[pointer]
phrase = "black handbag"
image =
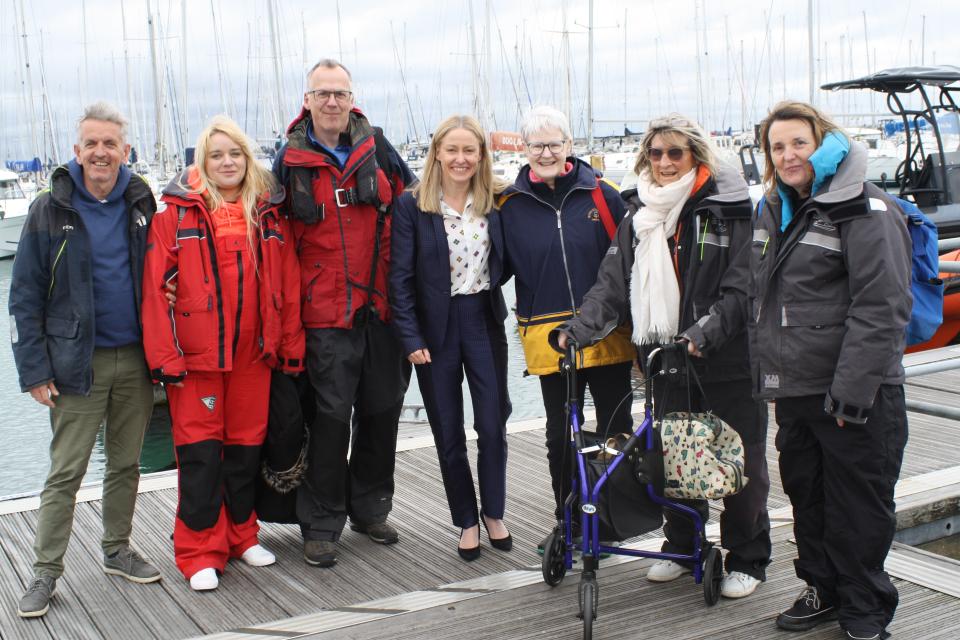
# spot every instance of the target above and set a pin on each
(624, 507)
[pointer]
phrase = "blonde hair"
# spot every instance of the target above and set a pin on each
(483, 186)
(819, 122)
(257, 183)
(677, 125)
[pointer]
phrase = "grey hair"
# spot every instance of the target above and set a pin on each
(329, 63)
(543, 117)
(675, 124)
(104, 112)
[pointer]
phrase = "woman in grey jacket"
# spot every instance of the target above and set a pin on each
(830, 298)
(679, 269)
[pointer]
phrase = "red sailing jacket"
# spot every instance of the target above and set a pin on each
(196, 334)
(336, 228)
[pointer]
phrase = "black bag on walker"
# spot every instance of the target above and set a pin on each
(624, 506)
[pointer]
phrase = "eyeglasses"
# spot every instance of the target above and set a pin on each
(674, 153)
(341, 95)
(537, 148)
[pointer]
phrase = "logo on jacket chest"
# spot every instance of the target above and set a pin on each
(823, 225)
(593, 215)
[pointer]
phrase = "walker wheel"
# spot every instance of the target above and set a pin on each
(553, 565)
(712, 576)
(589, 593)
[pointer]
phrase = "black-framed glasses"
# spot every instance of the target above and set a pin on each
(537, 148)
(340, 95)
(674, 153)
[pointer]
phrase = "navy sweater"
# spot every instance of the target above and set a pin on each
(114, 300)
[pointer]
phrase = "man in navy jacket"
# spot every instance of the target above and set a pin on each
(76, 332)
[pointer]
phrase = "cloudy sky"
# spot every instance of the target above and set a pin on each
(415, 65)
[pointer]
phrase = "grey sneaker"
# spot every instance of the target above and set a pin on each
(130, 565)
(379, 532)
(320, 553)
(36, 600)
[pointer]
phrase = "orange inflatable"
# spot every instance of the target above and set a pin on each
(949, 331)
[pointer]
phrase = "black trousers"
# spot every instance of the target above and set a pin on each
(612, 397)
(840, 481)
(475, 343)
(360, 373)
(744, 523)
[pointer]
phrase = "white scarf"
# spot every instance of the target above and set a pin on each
(654, 290)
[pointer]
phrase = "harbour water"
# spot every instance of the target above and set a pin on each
(25, 425)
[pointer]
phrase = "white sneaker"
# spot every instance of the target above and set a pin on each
(204, 580)
(666, 570)
(738, 585)
(257, 556)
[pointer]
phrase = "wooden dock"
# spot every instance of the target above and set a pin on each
(420, 588)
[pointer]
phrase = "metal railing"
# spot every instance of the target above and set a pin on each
(949, 266)
(932, 361)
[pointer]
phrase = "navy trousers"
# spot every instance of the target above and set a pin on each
(475, 344)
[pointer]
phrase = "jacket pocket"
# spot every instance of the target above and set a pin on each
(68, 354)
(195, 327)
(323, 295)
(812, 334)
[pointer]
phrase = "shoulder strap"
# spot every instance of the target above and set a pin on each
(605, 216)
(504, 197)
(760, 205)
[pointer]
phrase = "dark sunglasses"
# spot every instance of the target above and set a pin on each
(674, 153)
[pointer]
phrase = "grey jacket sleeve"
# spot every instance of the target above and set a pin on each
(876, 252)
(606, 305)
(727, 316)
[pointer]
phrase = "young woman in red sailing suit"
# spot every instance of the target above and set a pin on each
(224, 245)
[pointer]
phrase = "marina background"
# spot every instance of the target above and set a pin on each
(722, 62)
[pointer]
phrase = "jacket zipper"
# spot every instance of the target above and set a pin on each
(53, 270)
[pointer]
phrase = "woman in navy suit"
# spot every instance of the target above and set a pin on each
(445, 268)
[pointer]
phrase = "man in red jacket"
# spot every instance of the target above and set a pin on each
(341, 177)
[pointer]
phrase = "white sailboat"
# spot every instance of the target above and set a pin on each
(14, 203)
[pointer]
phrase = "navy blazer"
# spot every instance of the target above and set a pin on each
(420, 275)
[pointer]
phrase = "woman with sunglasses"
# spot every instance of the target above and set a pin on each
(681, 271)
(558, 218)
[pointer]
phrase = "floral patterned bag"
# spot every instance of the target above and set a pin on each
(702, 456)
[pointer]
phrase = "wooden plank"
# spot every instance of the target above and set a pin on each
(66, 618)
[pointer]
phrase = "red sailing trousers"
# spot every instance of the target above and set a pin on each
(219, 423)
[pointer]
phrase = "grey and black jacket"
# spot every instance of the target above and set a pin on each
(830, 295)
(712, 259)
(51, 291)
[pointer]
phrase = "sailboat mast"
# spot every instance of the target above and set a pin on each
(696, 30)
(474, 59)
(131, 106)
(31, 117)
(160, 155)
(810, 49)
(274, 43)
(590, 79)
(488, 119)
(185, 117)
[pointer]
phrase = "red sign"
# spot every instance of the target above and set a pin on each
(505, 141)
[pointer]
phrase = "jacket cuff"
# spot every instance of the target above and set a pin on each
(554, 336)
(844, 411)
(695, 334)
(159, 375)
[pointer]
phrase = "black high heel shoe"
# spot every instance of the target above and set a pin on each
(502, 544)
(471, 553)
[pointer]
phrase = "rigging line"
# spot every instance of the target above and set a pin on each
(671, 95)
(763, 48)
(506, 63)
